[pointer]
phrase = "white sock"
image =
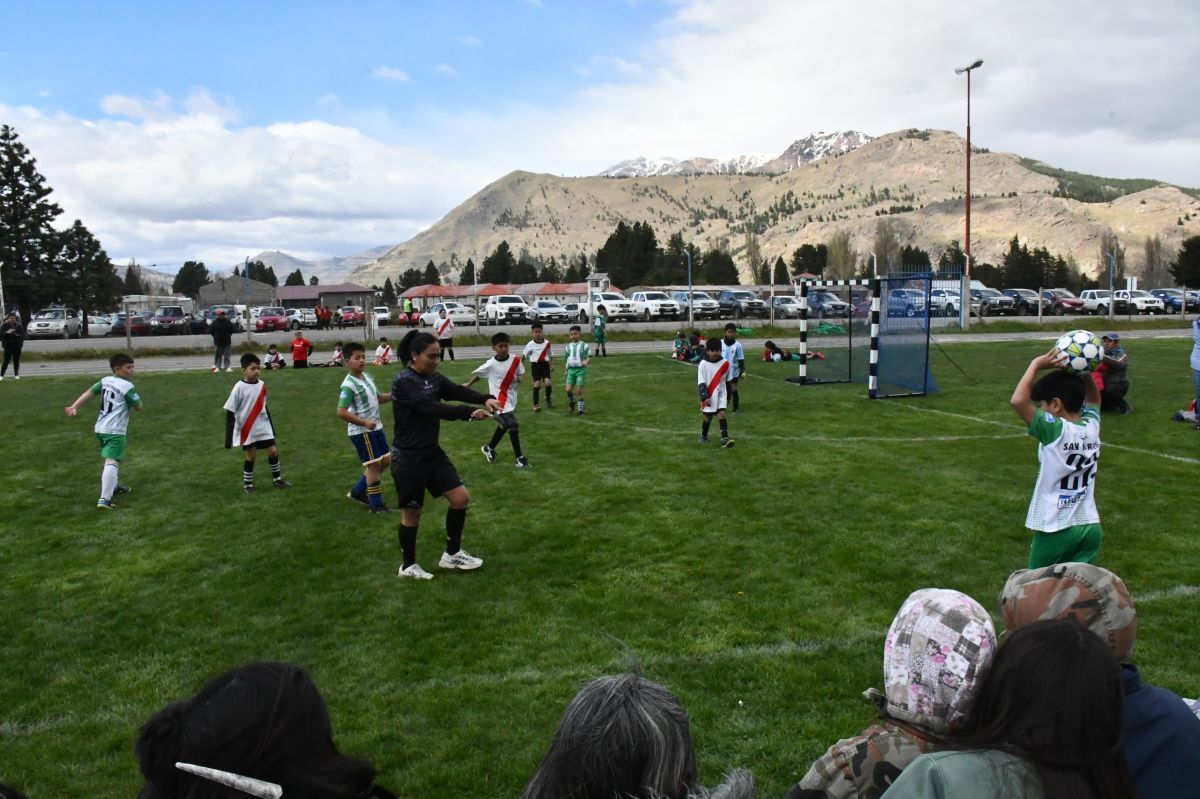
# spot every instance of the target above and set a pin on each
(108, 479)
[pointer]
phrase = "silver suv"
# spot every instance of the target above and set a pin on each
(54, 323)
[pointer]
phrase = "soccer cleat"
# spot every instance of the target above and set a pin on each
(383, 509)
(818, 356)
(215, 369)
(549, 404)
(121, 490)
(414, 572)
(248, 489)
(523, 463)
(16, 377)
(358, 497)
(726, 443)
(537, 408)
(581, 411)
(703, 439)
(279, 482)
(105, 504)
(488, 453)
(460, 560)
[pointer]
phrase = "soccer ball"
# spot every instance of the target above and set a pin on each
(1079, 351)
(776, 357)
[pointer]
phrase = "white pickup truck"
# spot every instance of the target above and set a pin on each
(1141, 301)
(654, 305)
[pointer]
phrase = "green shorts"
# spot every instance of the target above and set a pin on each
(112, 445)
(577, 376)
(1077, 544)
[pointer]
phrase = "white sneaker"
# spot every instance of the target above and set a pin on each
(488, 453)
(461, 560)
(414, 572)
(215, 369)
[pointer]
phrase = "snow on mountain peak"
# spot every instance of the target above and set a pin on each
(813, 147)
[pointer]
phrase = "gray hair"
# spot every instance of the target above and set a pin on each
(621, 736)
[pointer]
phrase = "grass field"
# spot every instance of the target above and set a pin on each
(755, 582)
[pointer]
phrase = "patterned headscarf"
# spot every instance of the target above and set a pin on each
(1094, 597)
(937, 651)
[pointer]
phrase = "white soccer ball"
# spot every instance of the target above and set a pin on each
(1079, 351)
(776, 357)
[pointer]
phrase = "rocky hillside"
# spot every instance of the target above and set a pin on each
(912, 178)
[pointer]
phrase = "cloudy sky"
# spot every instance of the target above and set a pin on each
(216, 130)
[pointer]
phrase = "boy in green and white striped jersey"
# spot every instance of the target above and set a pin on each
(578, 355)
(117, 397)
(358, 406)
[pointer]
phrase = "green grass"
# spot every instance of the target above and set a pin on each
(1095, 189)
(765, 574)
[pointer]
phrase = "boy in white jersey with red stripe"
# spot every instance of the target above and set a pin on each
(503, 371)
(1062, 513)
(117, 397)
(712, 375)
(443, 331)
(248, 423)
(358, 406)
(541, 363)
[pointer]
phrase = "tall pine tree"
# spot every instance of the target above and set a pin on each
(191, 276)
(28, 242)
(499, 266)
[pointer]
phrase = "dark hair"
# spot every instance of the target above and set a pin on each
(414, 341)
(262, 720)
(352, 347)
(500, 338)
(120, 359)
(731, 326)
(601, 308)
(1063, 385)
(713, 345)
(249, 358)
(1054, 697)
(620, 736)
(536, 326)
(383, 338)
(770, 346)
(574, 328)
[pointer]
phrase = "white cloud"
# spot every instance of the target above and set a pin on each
(470, 41)
(445, 69)
(390, 73)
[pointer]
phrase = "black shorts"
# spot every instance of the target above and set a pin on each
(416, 471)
(266, 443)
(540, 369)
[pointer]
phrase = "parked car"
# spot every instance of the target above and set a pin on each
(171, 320)
(1026, 301)
(739, 303)
(576, 311)
(785, 307)
(993, 303)
(382, 315)
(456, 311)
(53, 323)
(1173, 301)
(1060, 302)
(548, 311)
(616, 307)
(654, 305)
(945, 302)
(138, 323)
(1096, 301)
(269, 319)
(232, 312)
(1141, 301)
(703, 306)
(906, 302)
(99, 325)
(351, 314)
(301, 317)
(505, 308)
(825, 303)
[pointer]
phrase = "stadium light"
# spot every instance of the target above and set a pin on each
(966, 291)
(691, 301)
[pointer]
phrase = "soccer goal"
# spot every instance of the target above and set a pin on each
(882, 339)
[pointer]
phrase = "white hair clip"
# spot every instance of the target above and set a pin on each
(247, 785)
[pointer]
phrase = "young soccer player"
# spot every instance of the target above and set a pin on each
(338, 358)
(578, 355)
(117, 397)
(711, 385)
(541, 363)
(301, 349)
(383, 353)
(420, 464)
(1062, 512)
(680, 346)
(443, 329)
(731, 351)
(599, 327)
(248, 423)
(274, 358)
(503, 371)
(358, 406)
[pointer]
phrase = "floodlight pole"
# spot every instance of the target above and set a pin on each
(963, 312)
(1112, 268)
(691, 301)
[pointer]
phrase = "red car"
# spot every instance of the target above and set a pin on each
(351, 314)
(139, 323)
(271, 319)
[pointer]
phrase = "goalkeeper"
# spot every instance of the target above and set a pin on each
(711, 385)
(1066, 422)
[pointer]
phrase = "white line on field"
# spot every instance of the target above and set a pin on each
(1104, 444)
(1169, 593)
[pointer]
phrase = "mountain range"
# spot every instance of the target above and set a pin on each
(802, 151)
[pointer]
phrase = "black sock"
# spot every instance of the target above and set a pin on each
(456, 520)
(571, 399)
(273, 462)
(547, 394)
(451, 351)
(537, 395)
(248, 473)
(724, 423)
(516, 442)
(496, 436)
(704, 426)
(408, 544)
(736, 399)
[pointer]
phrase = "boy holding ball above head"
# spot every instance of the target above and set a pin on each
(578, 355)
(419, 464)
(503, 372)
(541, 363)
(117, 396)
(711, 377)
(1066, 423)
(248, 423)
(358, 406)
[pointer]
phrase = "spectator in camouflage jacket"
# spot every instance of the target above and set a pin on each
(937, 651)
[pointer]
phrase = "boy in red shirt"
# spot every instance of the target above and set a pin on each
(301, 349)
